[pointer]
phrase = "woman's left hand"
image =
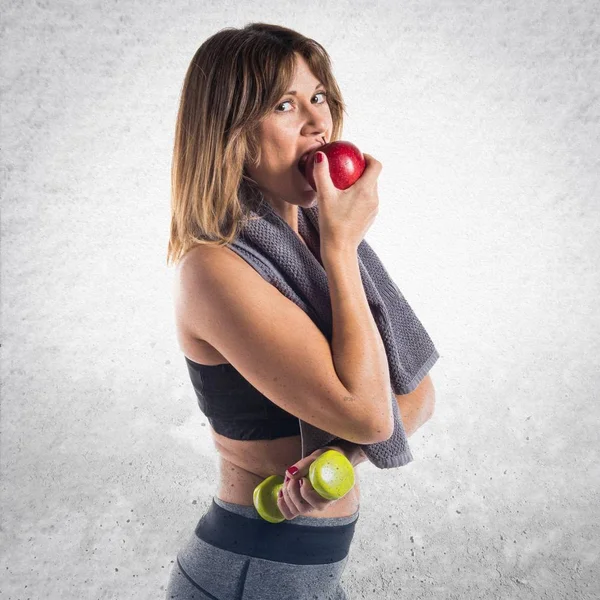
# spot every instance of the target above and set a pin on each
(302, 499)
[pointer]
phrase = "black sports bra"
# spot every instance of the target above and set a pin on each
(235, 408)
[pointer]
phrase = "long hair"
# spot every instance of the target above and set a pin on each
(231, 85)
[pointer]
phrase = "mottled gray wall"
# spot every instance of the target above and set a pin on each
(485, 116)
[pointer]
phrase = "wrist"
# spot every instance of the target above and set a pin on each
(353, 452)
(331, 256)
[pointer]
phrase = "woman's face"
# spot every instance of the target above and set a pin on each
(298, 123)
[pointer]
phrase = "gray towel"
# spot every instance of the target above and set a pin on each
(273, 249)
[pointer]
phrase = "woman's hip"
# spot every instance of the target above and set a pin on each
(236, 555)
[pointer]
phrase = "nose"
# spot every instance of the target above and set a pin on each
(315, 121)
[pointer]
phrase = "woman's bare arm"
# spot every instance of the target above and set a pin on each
(416, 408)
(413, 412)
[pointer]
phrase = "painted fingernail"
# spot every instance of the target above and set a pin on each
(286, 479)
(293, 470)
(281, 493)
(319, 157)
(301, 482)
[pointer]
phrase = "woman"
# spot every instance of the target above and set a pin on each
(254, 101)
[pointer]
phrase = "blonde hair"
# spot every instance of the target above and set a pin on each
(231, 85)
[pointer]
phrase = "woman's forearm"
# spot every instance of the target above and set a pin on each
(413, 413)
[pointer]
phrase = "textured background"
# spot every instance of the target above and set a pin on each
(486, 118)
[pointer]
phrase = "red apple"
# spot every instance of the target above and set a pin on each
(346, 164)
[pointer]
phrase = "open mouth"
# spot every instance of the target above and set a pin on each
(303, 160)
(302, 163)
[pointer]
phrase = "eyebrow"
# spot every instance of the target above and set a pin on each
(293, 92)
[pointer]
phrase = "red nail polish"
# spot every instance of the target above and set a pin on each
(293, 470)
(301, 482)
(319, 157)
(286, 479)
(281, 493)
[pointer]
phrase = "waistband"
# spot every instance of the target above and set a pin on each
(300, 544)
(250, 511)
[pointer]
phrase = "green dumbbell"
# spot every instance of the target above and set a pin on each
(331, 475)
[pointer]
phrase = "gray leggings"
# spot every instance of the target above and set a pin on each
(234, 554)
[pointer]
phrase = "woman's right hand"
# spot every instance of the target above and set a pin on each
(346, 215)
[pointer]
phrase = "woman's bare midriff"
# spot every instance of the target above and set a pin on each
(245, 463)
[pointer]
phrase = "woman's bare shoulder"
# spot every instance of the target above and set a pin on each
(202, 253)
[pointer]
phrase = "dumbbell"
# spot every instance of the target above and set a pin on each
(331, 475)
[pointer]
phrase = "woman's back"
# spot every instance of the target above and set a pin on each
(244, 463)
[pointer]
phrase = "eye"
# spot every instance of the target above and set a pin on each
(324, 94)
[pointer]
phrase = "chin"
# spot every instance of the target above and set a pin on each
(309, 198)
